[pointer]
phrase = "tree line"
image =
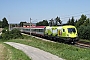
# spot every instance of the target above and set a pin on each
(52, 22)
(4, 23)
(82, 24)
(83, 20)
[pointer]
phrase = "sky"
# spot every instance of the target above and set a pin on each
(17, 11)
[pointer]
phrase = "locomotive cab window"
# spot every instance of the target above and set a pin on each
(70, 30)
(63, 30)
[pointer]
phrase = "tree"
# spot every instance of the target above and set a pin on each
(81, 21)
(4, 23)
(87, 22)
(51, 22)
(42, 23)
(57, 19)
(13, 34)
(71, 21)
(84, 32)
(21, 24)
(75, 22)
(45, 23)
(0, 24)
(68, 22)
(12, 25)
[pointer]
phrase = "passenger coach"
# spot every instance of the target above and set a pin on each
(36, 30)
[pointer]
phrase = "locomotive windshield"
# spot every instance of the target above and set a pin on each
(70, 30)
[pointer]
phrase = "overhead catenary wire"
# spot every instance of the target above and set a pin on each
(71, 15)
(68, 17)
(74, 14)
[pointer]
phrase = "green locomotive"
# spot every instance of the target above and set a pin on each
(67, 33)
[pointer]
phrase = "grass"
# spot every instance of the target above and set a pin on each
(15, 54)
(3, 52)
(64, 51)
(84, 40)
(8, 52)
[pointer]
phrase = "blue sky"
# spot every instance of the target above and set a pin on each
(21, 10)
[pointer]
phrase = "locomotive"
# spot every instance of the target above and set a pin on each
(66, 33)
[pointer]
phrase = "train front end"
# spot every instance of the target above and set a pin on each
(69, 34)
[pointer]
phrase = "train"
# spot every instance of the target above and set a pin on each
(65, 33)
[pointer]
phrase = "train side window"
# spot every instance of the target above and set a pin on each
(42, 30)
(39, 30)
(28, 29)
(34, 30)
(63, 30)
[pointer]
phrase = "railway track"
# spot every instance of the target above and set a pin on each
(82, 45)
(78, 44)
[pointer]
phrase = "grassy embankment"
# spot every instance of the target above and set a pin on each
(64, 51)
(3, 52)
(86, 41)
(9, 53)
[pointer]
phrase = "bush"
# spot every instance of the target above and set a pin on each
(6, 35)
(84, 32)
(13, 34)
(4, 30)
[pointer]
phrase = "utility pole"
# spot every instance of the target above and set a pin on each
(9, 26)
(30, 26)
(9, 23)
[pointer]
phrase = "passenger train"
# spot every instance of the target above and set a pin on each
(66, 33)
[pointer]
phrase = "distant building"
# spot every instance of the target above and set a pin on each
(1, 30)
(28, 24)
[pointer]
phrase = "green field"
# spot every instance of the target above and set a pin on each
(65, 51)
